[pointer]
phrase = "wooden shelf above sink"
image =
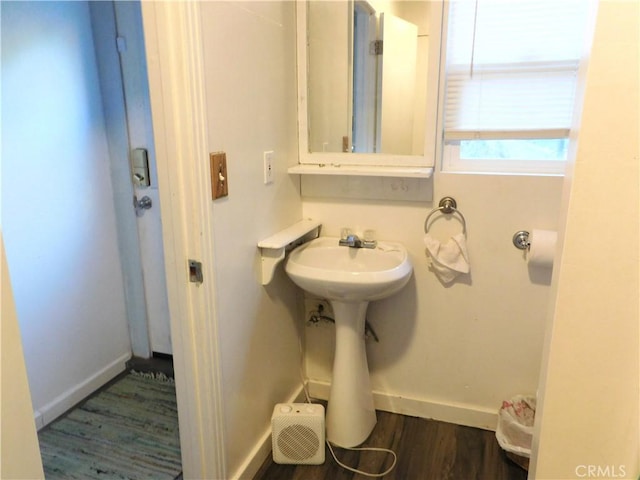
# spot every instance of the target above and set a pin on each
(361, 170)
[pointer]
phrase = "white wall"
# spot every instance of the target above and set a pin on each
(329, 93)
(452, 352)
(57, 203)
(418, 13)
(588, 423)
(251, 106)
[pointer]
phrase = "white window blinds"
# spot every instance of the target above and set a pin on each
(511, 68)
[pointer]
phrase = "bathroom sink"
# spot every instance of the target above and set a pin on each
(334, 272)
(349, 278)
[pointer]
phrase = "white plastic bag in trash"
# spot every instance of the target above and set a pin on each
(515, 425)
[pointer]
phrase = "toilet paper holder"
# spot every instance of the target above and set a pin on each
(521, 240)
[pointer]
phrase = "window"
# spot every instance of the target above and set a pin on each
(510, 80)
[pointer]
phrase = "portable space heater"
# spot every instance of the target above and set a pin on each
(297, 433)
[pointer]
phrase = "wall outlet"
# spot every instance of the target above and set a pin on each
(268, 166)
(318, 312)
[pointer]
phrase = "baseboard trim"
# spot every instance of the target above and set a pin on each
(262, 448)
(59, 405)
(460, 414)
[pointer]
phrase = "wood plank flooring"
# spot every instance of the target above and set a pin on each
(426, 450)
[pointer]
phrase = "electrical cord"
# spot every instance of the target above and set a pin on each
(333, 454)
(367, 449)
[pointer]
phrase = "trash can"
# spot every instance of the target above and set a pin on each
(515, 428)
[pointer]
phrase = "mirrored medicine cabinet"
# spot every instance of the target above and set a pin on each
(368, 76)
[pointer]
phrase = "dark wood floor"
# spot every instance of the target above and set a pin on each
(426, 449)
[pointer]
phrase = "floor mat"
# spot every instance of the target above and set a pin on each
(128, 431)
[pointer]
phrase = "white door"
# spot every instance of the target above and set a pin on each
(397, 85)
(364, 78)
(136, 91)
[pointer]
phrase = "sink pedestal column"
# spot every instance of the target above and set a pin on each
(351, 415)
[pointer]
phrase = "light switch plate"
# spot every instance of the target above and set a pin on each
(219, 179)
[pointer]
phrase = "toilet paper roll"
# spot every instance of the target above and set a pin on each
(542, 248)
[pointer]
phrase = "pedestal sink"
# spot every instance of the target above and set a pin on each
(349, 278)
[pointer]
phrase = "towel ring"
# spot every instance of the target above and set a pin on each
(447, 205)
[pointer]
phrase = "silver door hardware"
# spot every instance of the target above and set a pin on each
(121, 44)
(143, 204)
(140, 167)
(195, 271)
(376, 47)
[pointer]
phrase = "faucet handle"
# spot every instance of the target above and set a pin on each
(369, 239)
(345, 232)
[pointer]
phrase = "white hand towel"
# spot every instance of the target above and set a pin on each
(448, 260)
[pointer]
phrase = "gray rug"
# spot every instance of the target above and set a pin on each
(128, 431)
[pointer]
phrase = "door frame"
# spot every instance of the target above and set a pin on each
(176, 83)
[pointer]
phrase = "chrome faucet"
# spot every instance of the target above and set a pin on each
(350, 241)
(353, 241)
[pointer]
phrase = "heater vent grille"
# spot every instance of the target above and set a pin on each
(298, 442)
(298, 434)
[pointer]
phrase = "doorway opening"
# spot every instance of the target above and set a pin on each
(84, 267)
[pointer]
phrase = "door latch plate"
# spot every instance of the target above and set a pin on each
(195, 271)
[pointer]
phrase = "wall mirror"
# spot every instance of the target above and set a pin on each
(368, 75)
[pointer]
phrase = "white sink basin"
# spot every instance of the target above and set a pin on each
(349, 278)
(334, 272)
